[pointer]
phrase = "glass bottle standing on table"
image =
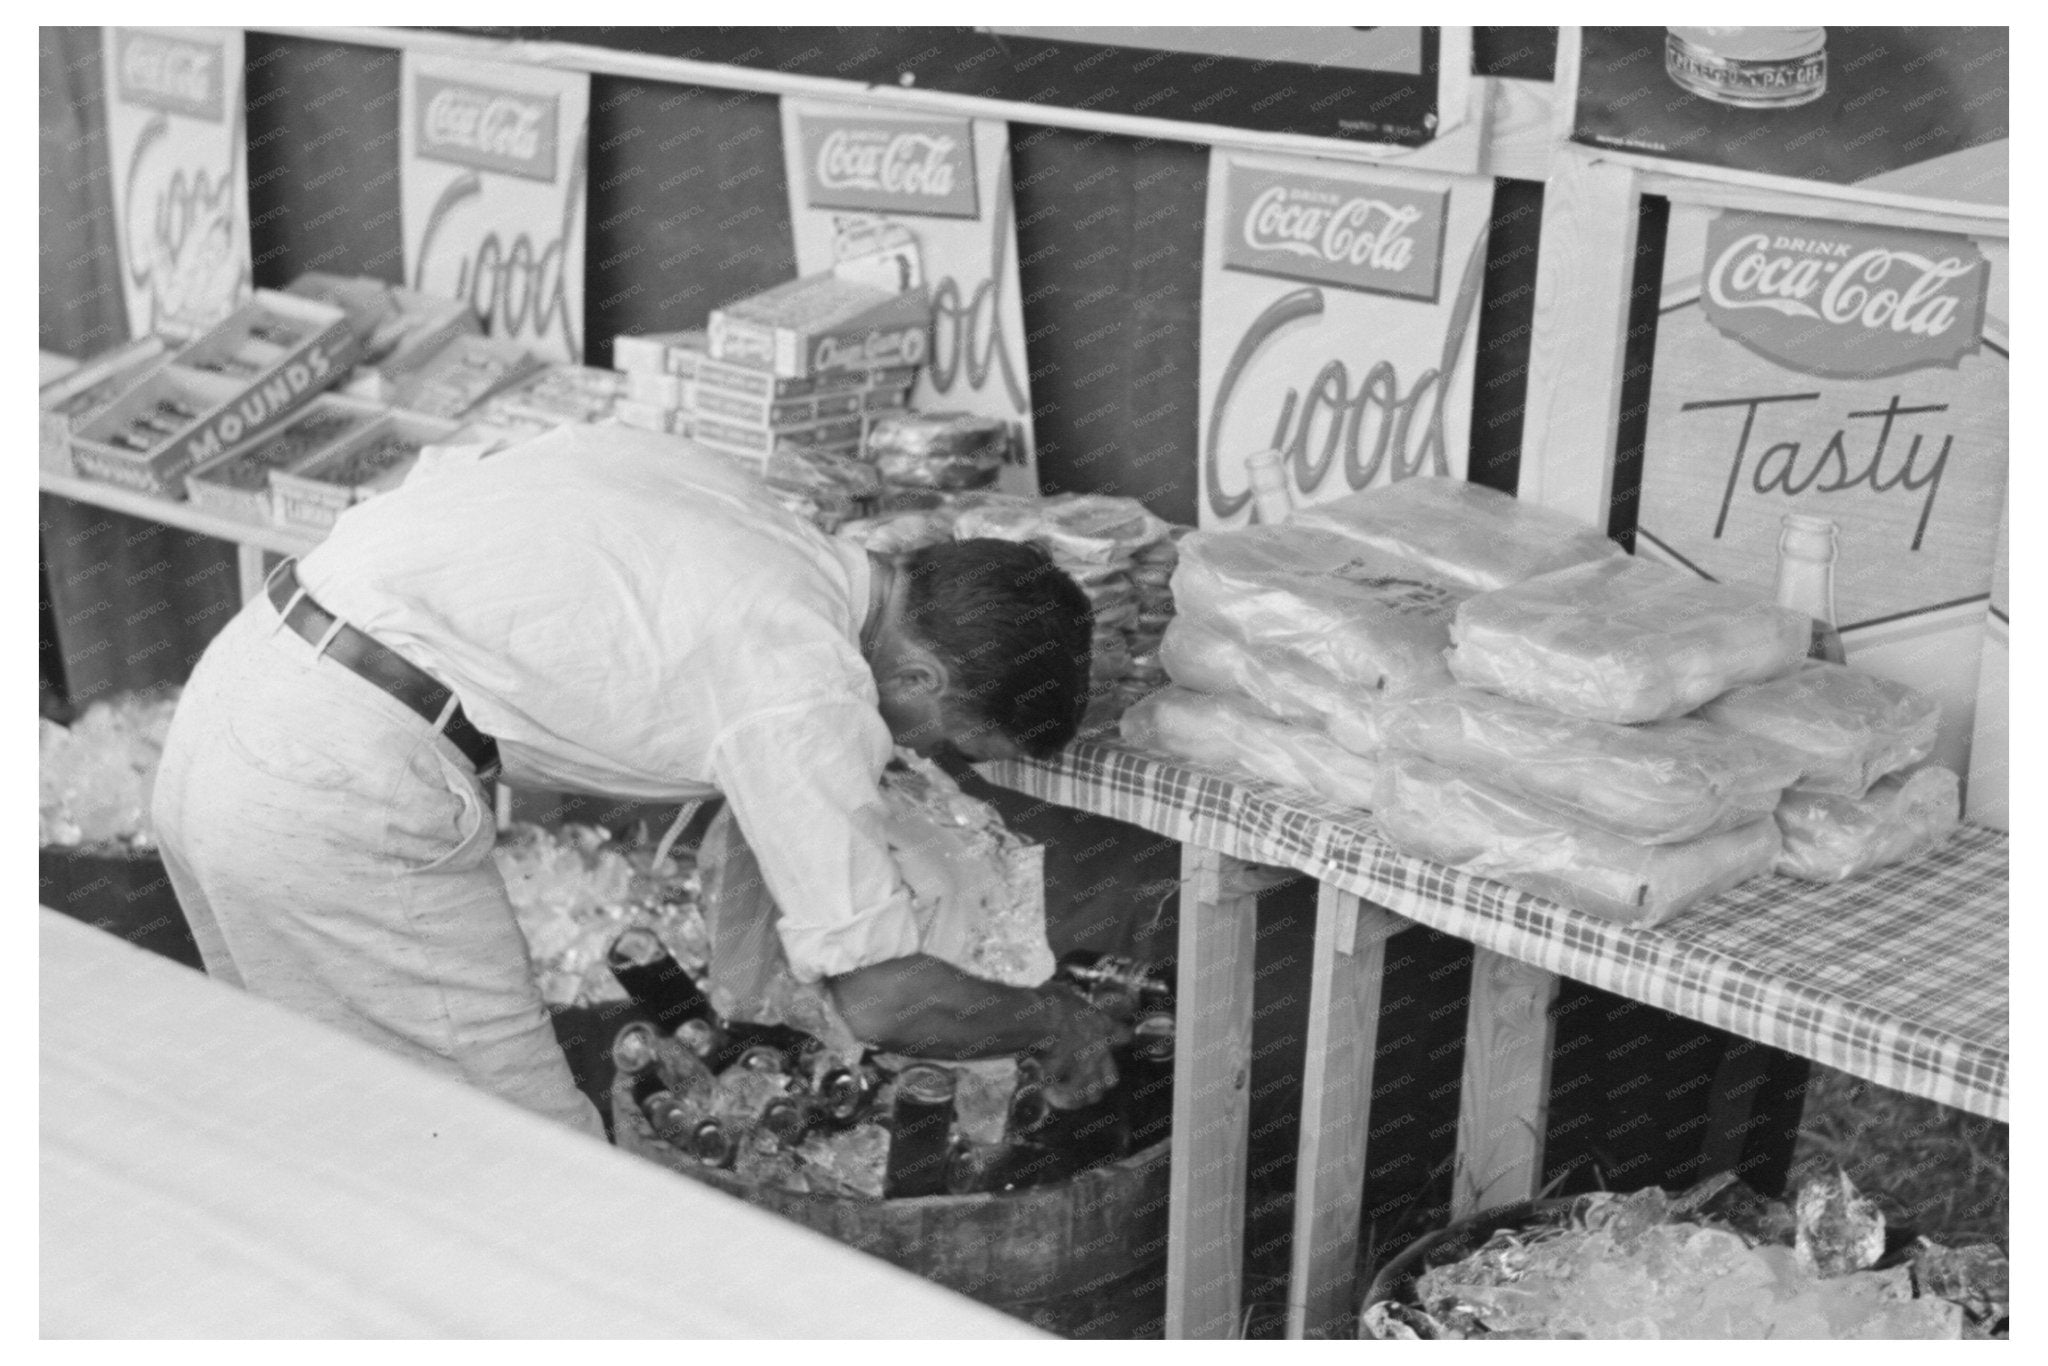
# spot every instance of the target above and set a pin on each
(1271, 501)
(1807, 547)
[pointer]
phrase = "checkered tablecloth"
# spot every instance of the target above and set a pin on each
(1898, 977)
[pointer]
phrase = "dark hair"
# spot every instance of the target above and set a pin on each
(1013, 631)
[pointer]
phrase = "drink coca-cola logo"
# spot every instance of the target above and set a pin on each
(487, 128)
(1842, 300)
(171, 72)
(920, 166)
(1354, 233)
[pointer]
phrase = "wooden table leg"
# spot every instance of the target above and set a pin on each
(1211, 1098)
(1506, 1086)
(1336, 1100)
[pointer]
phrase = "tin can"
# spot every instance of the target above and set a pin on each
(921, 1132)
(1750, 68)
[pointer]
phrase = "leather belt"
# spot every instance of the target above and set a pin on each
(384, 667)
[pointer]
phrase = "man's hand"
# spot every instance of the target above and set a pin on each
(1078, 1065)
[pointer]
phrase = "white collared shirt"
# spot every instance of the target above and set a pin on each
(629, 616)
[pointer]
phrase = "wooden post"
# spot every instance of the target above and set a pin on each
(1336, 1100)
(1211, 1098)
(1506, 1087)
(1583, 276)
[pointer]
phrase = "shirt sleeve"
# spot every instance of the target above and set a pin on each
(802, 784)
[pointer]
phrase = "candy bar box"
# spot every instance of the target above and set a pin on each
(237, 484)
(822, 324)
(462, 374)
(374, 460)
(70, 401)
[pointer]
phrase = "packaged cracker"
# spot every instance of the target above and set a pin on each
(1663, 782)
(1433, 812)
(1460, 532)
(1365, 618)
(1830, 838)
(1848, 727)
(1623, 640)
(820, 324)
(1227, 733)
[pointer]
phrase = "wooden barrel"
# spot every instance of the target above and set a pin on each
(1014, 1250)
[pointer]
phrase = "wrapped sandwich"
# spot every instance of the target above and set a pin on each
(1849, 728)
(1830, 838)
(1659, 783)
(1437, 813)
(1229, 734)
(1623, 640)
(1463, 533)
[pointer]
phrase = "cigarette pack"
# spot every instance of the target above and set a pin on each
(70, 401)
(372, 461)
(656, 387)
(647, 417)
(821, 324)
(657, 353)
(559, 395)
(150, 437)
(237, 483)
(462, 374)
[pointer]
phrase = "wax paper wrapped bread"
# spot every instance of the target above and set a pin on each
(1228, 733)
(1829, 838)
(1367, 619)
(1436, 813)
(1622, 640)
(1462, 533)
(1272, 682)
(1659, 783)
(1083, 528)
(1849, 728)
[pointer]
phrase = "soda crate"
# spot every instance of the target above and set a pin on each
(373, 461)
(150, 437)
(237, 484)
(70, 401)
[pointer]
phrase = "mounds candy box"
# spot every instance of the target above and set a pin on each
(393, 325)
(282, 348)
(71, 400)
(821, 324)
(150, 437)
(375, 460)
(242, 378)
(237, 484)
(462, 374)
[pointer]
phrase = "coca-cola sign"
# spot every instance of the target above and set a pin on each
(914, 166)
(1356, 234)
(485, 127)
(171, 72)
(1843, 300)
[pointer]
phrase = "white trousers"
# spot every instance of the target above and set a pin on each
(334, 856)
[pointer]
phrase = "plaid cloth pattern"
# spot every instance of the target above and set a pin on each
(1898, 977)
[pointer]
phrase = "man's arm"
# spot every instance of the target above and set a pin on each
(927, 1007)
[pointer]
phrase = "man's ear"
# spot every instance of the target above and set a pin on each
(916, 676)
